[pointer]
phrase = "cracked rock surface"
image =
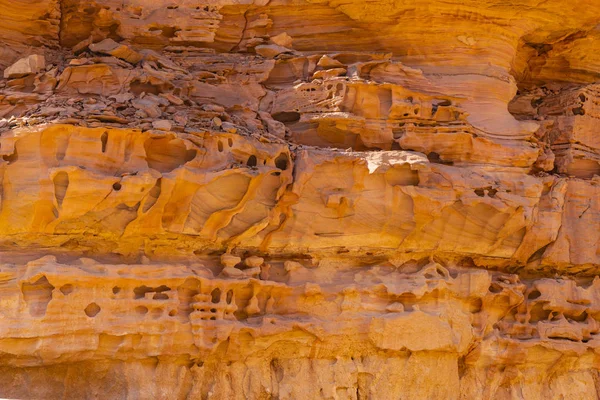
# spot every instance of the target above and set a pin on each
(299, 199)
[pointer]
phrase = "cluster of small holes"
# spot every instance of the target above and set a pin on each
(220, 146)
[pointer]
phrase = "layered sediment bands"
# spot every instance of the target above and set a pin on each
(348, 327)
(299, 199)
(174, 194)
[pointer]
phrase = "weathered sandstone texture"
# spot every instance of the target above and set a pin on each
(300, 199)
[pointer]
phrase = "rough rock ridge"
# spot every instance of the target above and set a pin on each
(300, 199)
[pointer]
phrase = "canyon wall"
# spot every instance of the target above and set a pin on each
(300, 199)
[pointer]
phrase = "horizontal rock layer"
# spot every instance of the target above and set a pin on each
(199, 333)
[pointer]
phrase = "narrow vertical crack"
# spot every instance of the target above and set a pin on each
(236, 47)
(61, 21)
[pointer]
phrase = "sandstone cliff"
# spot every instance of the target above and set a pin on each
(300, 199)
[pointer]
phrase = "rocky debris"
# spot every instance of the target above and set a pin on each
(25, 66)
(254, 261)
(234, 273)
(328, 62)
(172, 98)
(283, 40)
(162, 124)
(110, 47)
(148, 106)
(230, 261)
(272, 50)
(228, 127)
(329, 73)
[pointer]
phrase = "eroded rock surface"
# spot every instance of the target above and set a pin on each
(299, 199)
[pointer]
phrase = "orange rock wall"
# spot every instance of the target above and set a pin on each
(299, 199)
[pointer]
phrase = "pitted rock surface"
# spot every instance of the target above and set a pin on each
(300, 199)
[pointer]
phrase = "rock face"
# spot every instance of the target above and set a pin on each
(300, 199)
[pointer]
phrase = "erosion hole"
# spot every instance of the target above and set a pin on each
(538, 313)
(37, 295)
(536, 102)
(140, 291)
(153, 195)
(475, 305)
(92, 310)
(168, 31)
(165, 154)
(61, 184)
(12, 157)
(434, 157)
(104, 140)
(287, 117)
(281, 161)
(116, 290)
(538, 254)
(142, 310)
(495, 288)
(534, 294)
(190, 155)
(579, 318)
(66, 289)
(116, 186)
(252, 161)
(216, 295)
